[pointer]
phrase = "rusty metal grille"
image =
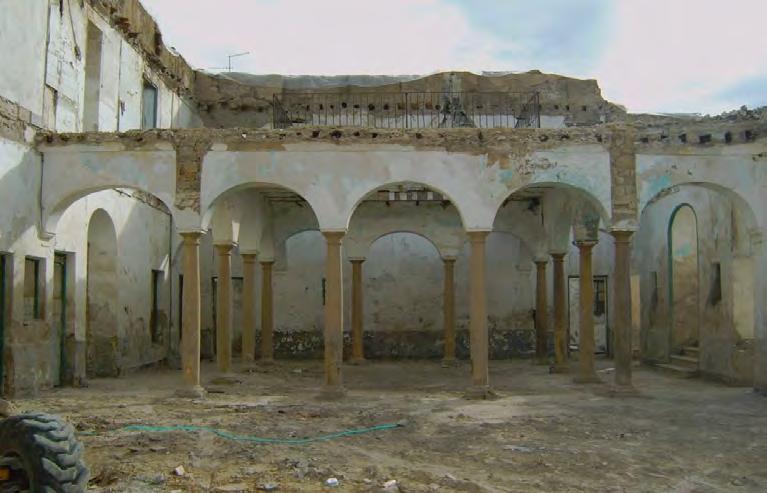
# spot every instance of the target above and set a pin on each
(408, 110)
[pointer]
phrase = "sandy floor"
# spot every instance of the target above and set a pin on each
(543, 434)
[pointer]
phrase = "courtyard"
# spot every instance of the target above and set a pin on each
(542, 433)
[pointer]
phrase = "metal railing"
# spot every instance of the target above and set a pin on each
(408, 110)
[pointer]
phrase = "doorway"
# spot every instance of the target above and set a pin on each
(103, 297)
(60, 313)
(4, 275)
(683, 271)
(236, 314)
(601, 330)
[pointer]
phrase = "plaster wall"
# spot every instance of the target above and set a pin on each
(143, 244)
(334, 180)
(726, 352)
(46, 44)
(23, 26)
(402, 275)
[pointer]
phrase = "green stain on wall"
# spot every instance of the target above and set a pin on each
(506, 175)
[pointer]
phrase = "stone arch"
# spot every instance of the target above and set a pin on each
(69, 176)
(562, 208)
(102, 295)
(251, 209)
(360, 198)
(411, 232)
(53, 212)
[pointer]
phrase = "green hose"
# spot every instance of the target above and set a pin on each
(254, 439)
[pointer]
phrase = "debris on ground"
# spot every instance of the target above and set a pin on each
(544, 434)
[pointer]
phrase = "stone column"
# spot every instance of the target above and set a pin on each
(358, 351)
(224, 308)
(541, 314)
(249, 308)
(586, 345)
(478, 314)
(334, 315)
(267, 313)
(622, 308)
(448, 310)
(560, 311)
(190, 331)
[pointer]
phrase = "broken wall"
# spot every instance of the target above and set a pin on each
(244, 100)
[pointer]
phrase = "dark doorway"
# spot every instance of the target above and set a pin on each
(602, 342)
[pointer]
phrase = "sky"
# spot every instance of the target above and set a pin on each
(690, 56)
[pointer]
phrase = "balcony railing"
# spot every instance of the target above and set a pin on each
(408, 110)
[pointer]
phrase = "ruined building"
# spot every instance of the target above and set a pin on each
(154, 214)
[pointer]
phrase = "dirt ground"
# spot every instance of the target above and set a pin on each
(544, 433)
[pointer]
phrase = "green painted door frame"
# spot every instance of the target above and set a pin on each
(60, 268)
(3, 284)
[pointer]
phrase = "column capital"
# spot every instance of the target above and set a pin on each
(585, 244)
(356, 260)
(540, 261)
(449, 259)
(558, 256)
(192, 235)
(224, 248)
(477, 236)
(249, 258)
(266, 262)
(333, 237)
(622, 235)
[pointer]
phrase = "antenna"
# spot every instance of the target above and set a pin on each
(229, 65)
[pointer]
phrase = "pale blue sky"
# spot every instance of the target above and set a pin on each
(650, 55)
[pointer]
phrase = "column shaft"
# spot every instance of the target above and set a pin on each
(248, 307)
(541, 315)
(448, 308)
(224, 308)
(586, 344)
(478, 312)
(358, 351)
(334, 309)
(560, 311)
(267, 313)
(190, 330)
(622, 307)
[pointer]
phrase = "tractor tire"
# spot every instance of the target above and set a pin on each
(42, 454)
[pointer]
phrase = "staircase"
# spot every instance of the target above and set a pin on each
(683, 365)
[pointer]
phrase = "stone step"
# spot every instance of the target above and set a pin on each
(676, 371)
(685, 361)
(693, 351)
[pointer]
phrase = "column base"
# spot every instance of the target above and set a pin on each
(622, 391)
(538, 361)
(195, 392)
(449, 363)
(358, 361)
(266, 361)
(586, 379)
(480, 394)
(331, 393)
(559, 368)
